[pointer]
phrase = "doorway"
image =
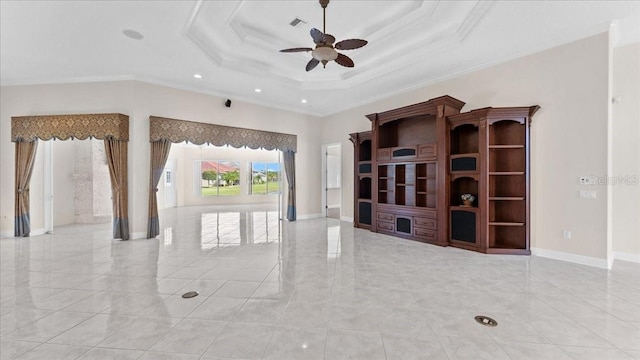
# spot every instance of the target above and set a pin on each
(77, 187)
(331, 180)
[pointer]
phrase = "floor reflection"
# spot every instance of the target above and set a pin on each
(309, 289)
(223, 226)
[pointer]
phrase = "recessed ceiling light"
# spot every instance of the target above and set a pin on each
(197, 76)
(132, 34)
(304, 101)
(258, 90)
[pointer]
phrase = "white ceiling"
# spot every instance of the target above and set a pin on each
(234, 44)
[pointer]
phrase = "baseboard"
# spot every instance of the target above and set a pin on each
(138, 235)
(37, 232)
(578, 259)
(618, 255)
(346, 218)
(308, 216)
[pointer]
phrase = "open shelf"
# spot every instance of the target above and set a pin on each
(507, 237)
(507, 132)
(364, 188)
(507, 160)
(365, 150)
(408, 131)
(507, 198)
(426, 185)
(507, 211)
(463, 185)
(464, 139)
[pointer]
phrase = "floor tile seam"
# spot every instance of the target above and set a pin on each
(264, 351)
(178, 323)
(211, 296)
(116, 333)
(598, 335)
(440, 337)
(435, 338)
(88, 348)
(32, 322)
(587, 329)
(626, 352)
(500, 345)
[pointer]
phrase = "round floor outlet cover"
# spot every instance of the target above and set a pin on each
(486, 321)
(190, 294)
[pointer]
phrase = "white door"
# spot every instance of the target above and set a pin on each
(169, 178)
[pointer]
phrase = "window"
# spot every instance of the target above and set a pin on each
(265, 178)
(219, 177)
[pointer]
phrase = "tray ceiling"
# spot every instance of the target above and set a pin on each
(234, 45)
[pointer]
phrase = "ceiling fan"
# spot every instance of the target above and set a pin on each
(325, 51)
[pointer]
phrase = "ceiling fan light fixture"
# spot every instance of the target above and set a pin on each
(324, 53)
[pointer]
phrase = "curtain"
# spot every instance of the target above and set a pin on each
(290, 170)
(25, 156)
(159, 154)
(116, 152)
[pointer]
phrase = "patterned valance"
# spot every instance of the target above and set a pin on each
(178, 131)
(63, 127)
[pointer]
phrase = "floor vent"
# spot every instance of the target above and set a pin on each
(486, 321)
(190, 294)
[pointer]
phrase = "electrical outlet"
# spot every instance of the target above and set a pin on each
(566, 234)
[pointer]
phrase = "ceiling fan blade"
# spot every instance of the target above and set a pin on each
(296, 50)
(312, 64)
(317, 35)
(351, 44)
(344, 60)
(328, 39)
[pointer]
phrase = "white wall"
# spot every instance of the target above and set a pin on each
(569, 137)
(626, 152)
(139, 101)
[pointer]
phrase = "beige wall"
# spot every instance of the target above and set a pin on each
(569, 136)
(139, 100)
(626, 151)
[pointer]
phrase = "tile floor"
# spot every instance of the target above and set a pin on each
(312, 289)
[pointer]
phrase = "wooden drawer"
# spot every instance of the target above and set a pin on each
(431, 214)
(425, 233)
(384, 154)
(385, 226)
(385, 217)
(428, 151)
(426, 223)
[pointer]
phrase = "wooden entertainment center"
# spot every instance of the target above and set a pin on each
(417, 161)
